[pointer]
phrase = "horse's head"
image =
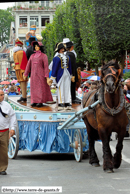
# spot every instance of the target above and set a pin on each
(110, 76)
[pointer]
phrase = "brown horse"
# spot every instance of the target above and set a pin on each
(107, 117)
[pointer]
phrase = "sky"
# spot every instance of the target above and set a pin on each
(6, 5)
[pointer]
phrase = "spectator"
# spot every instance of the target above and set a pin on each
(87, 86)
(94, 85)
(12, 91)
(18, 90)
(127, 91)
(7, 120)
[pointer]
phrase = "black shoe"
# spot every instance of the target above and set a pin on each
(67, 104)
(33, 104)
(39, 105)
(22, 99)
(61, 105)
(3, 173)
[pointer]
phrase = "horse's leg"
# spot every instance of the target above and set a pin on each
(107, 156)
(93, 159)
(119, 147)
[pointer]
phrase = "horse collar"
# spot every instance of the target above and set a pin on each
(108, 110)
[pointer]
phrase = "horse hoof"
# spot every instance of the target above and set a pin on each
(109, 170)
(95, 164)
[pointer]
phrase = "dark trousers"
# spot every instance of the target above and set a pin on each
(73, 92)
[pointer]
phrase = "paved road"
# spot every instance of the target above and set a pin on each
(39, 169)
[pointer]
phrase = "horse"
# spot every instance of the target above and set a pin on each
(106, 117)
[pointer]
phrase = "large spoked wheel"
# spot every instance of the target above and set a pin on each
(13, 145)
(78, 148)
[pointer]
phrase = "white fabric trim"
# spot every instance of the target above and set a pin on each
(17, 48)
(73, 51)
(64, 59)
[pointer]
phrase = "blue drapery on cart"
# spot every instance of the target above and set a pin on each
(44, 136)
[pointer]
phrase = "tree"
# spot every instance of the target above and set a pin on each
(86, 19)
(65, 24)
(6, 18)
(113, 28)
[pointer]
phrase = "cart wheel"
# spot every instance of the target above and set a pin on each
(78, 150)
(13, 144)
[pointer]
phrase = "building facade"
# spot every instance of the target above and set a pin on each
(31, 13)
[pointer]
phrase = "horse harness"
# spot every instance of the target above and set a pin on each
(106, 108)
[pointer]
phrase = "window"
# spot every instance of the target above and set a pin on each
(57, 1)
(34, 21)
(23, 21)
(47, 3)
(42, 3)
(44, 20)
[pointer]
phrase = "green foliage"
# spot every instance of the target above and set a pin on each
(126, 75)
(65, 24)
(86, 19)
(112, 27)
(6, 18)
(100, 29)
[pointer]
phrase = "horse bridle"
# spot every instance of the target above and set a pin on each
(112, 74)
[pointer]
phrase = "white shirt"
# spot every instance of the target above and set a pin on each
(10, 121)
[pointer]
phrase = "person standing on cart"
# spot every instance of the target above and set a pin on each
(38, 65)
(20, 60)
(62, 73)
(7, 120)
(71, 53)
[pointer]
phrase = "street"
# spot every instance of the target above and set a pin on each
(40, 169)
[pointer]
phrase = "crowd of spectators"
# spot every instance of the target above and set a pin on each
(11, 89)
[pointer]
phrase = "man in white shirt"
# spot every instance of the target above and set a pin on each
(7, 120)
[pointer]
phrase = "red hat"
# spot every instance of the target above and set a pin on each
(18, 42)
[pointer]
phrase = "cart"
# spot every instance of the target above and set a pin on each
(48, 131)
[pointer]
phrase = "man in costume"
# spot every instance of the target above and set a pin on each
(72, 54)
(20, 60)
(39, 84)
(31, 33)
(62, 73)
(7, 120)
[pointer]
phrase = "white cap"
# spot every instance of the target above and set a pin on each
(66, 40)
